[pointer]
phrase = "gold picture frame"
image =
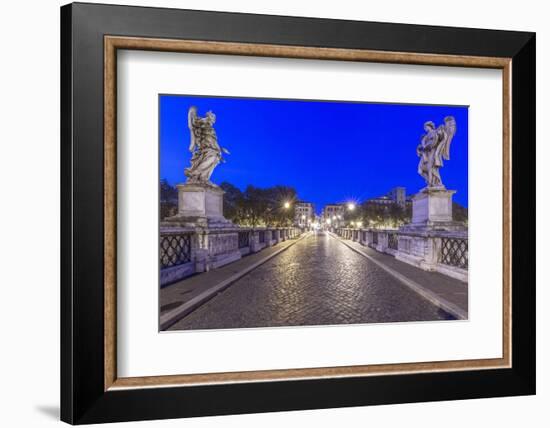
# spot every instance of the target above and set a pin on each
(114, 43)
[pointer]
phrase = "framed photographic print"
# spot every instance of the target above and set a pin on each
(265, 213)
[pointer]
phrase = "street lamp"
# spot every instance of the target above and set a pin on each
(351, 206)
(286, 205)
(359, 223)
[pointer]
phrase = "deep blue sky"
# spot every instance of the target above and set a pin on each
(328, 151)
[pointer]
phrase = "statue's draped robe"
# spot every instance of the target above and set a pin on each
(207, 152)
(432, 150)
(427, 152)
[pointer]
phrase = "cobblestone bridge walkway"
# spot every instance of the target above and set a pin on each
(317, 281)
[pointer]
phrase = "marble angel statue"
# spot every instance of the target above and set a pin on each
(207, 153)
(435, 147)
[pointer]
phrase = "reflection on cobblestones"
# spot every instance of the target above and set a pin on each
(318, 281)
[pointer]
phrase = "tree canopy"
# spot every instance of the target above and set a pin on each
(257, 206)
(392, 215)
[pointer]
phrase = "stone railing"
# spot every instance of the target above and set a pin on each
(185, 251)
(454, 252)
(175, 248)
(442, 251)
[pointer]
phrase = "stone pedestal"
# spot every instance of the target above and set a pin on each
(433, 210)
(195, 200)
(200, 205)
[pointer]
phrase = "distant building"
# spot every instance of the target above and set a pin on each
(304, 213)
(333, 214)
(380, 200)
(333, 211)
(397, 195)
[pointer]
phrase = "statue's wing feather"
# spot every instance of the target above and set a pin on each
(191, 115)
(449, 132)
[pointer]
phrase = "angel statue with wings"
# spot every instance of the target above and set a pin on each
(207, 153)
(433, 148)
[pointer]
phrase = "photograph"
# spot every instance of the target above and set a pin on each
(293, 212)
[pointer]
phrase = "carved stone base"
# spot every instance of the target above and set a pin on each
(200, 205)
(433, 210)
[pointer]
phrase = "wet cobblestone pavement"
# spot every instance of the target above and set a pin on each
(318, 281)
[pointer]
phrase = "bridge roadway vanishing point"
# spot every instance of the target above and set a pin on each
(317, 281)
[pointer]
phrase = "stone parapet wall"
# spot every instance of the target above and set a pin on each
(185, 251)
(431, 250)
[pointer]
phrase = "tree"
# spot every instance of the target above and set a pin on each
(384, 215)
(168, 199)
(233, 200)
(460, 213)
(282, 205)
(355, 214)
(168, 193)
(256, 206)
(394, 215)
